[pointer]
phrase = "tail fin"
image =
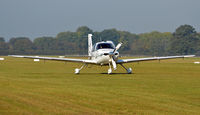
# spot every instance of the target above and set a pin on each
(89, 44)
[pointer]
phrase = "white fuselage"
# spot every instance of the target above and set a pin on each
(103, 56)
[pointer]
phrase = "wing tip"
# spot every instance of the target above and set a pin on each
(189, 55)
(15, 56)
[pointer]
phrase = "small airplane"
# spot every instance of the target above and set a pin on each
(103, 53)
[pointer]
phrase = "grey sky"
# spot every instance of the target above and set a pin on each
(36, 18)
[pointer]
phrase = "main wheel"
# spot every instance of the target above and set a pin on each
(77, 71)
(129, 71)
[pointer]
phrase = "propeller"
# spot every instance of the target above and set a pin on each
(114, 63)
(117, 47)
(112, 56)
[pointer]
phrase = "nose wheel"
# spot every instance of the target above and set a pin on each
(110, 69)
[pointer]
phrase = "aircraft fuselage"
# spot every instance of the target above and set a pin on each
(103, 55)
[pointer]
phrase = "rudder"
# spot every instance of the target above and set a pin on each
(89, 44)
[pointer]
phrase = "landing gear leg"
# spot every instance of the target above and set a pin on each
(129, 70)
(77, 71)
(110, 69)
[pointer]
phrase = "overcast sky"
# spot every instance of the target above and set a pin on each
(36, 18)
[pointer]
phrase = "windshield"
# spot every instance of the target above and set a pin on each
(105, 46)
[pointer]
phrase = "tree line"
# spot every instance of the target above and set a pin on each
(185, 40)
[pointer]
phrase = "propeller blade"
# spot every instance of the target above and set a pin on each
(114, 63)
(112, 54)
(118, 46)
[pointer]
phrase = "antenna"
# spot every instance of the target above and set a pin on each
(100, 39)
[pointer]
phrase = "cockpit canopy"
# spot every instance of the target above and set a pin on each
(104, 46)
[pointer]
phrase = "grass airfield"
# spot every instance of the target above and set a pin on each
(171, 87)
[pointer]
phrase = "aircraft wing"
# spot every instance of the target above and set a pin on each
(120, 61)
(57, 59)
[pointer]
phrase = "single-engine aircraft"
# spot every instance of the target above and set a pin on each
(103, 53)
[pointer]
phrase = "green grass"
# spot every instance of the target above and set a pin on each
(169, 87)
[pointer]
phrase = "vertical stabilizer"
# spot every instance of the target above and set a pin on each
(89, 44)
